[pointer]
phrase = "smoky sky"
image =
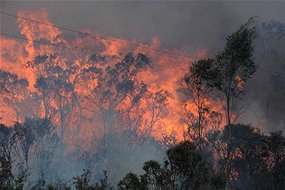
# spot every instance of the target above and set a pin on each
(189, 24)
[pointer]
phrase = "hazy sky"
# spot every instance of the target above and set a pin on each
(187, 24)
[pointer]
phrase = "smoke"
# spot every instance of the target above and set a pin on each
(190, 25)
(265, 91)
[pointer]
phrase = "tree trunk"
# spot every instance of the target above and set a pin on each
(228, 110)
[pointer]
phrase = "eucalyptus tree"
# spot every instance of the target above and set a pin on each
(234, 66)
(197, 90)
(120, 96)
(14, 93)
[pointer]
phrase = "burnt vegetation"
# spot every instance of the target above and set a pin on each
(211, 156)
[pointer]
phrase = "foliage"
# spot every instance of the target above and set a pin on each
(228, 71)
(197, 91)
(187, 166)
(235, 65)
(5, 156)
(244, 158)
(247, 159)
(31, 141)
(129, 182)
(83, 182)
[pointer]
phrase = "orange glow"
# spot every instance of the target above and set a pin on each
(240, 83)
(166, 73)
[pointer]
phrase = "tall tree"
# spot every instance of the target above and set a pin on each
(234, 66)
(198, 91)
(55, 83)
(13, 92)
(117, 93)
(6, 146)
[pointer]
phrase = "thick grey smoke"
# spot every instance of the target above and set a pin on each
(187, 24)
(266, 90)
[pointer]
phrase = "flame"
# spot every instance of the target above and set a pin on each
(239, 81)
(166, 73)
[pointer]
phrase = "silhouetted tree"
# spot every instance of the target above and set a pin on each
(189, 169)
(184, 168)
(13, 92)
(55, 83)
(83, 182)
(244, 157)
(155, 176)
(234, 66)
(276, 145)
(118, 93)
(198, 90)
(6, 146)
(130, 182)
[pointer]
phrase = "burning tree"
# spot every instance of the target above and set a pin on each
(126, 110)
(14, 93)
(198, 93)
(56, 89)
(224, 76)
(114, 84)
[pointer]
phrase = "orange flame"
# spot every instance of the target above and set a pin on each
(166, 73)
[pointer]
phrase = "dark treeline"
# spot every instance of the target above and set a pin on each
(240, 157)
(235, 156)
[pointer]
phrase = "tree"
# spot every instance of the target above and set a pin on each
(20, 180)
(245, 156)
(276, 144)
(60, 185)
(183, 168)
(24, 138)
(234, 66)
(117, 92)
(83, 182)
(130, 182)
(13, 91)
(119, 99)
(6, 146)
(198, 90)
(188, 168)
(55, 82)
(156, 177)
(31, 144)
(46, 141)
(8, 180)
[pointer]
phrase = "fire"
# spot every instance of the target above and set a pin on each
(166, 73)
(240, 82)
(114, 46)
